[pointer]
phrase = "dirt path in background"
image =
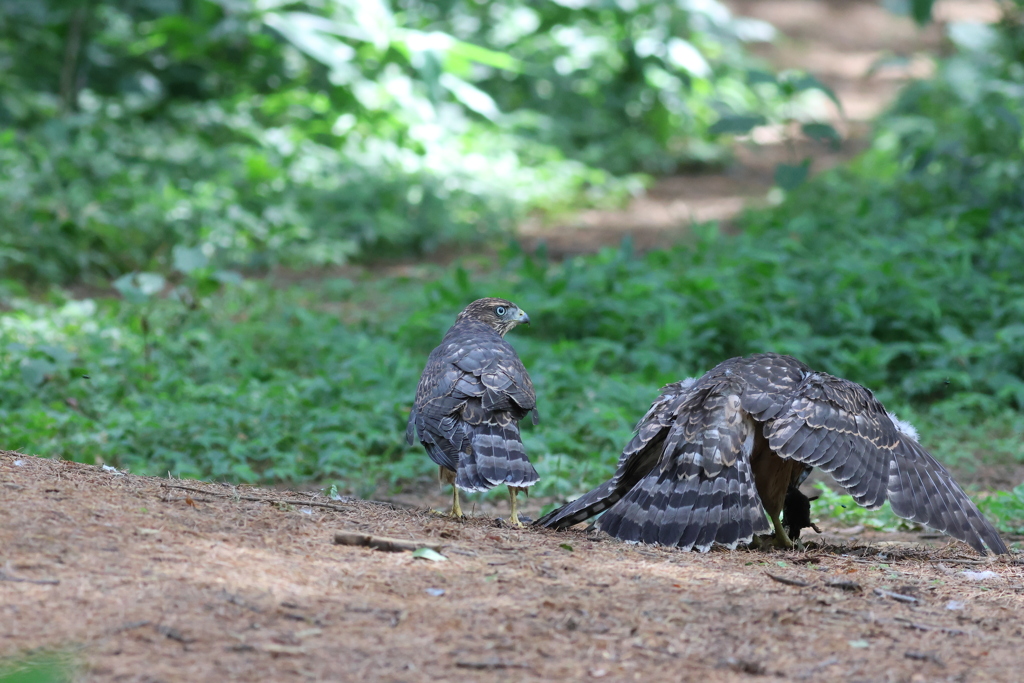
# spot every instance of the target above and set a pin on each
(130, 579)
(863, 52)
(856, 47)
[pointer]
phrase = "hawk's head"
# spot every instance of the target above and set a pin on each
(500, 314)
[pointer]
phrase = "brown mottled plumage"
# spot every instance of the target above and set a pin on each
(713, 455)
(470, 399)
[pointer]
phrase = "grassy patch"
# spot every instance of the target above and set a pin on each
(253, 383)
(36, 669)
(843, 509)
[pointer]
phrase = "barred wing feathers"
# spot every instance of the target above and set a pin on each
(702, 491)
(638, 458)
(839, 427)
(686, 479)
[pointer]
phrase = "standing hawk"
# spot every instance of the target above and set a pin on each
(714, 454)
(471, 397)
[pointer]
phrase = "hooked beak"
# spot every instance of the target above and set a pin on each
(522, 317)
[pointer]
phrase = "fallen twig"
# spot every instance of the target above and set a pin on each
(272, 501)
(17, 579)
(818, 667)
(788, 582)
(278, 649)
(174, 634)
(843, 584)
(391, 545)
(130, 626)
(898, 597)
(928, 627)
(923, 657)
(489, 665)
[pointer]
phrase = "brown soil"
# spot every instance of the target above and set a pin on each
(133, 579)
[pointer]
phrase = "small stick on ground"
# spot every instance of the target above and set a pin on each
(489, 665)
(924, 657)
(898, 597)
(788, 582)
(16, 579)
(273, 501)
(844, 585)
(391, 545)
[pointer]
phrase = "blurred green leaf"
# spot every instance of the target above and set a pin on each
(756, 76)
(791, 176)
(428, 554)
(139, 287)
(57, 354)
(736, 125)
(187, 260)
(810, 82)
(921, 10)
(34, 371)
(822, 132)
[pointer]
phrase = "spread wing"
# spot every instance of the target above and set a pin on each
(638, 458)
(702, 490)
(840, 427)
(677, 430)
(685, 479)
(473, 392)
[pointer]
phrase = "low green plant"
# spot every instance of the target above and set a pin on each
(312, 133)
(35, 669)
(843, 509)
(1007, 508)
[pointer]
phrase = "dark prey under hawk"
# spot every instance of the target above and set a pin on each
(470, 399)
(714, 454)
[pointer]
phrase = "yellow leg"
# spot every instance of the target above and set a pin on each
(513, 518)
(446, 476)
(781, 537)
(456, 508)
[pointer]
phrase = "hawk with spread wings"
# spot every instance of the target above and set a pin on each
(470, 399)
(714, 454)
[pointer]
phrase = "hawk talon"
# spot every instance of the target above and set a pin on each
(773, 542)
(513, 518)
(779, 540)
(782, 539)
(456, 511)
(448, 515)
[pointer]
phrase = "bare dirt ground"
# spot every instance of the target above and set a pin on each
(135, 579)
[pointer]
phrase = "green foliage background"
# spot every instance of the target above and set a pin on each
(301, 133)
(194, 140)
